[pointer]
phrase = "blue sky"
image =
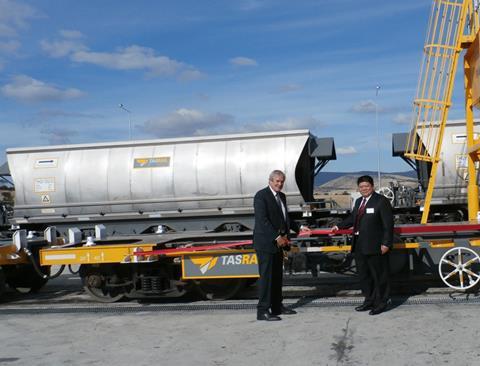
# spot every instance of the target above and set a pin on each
(187, 68)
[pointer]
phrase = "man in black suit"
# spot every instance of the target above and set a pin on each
(270, 238)
(372, 222)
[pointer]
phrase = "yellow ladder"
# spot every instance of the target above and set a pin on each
(452, 28)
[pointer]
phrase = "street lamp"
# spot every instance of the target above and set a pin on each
(121, 106)
(377, 89)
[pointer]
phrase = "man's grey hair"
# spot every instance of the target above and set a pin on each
(276, 173)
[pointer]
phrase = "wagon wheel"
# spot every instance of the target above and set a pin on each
(97, 287)
(24, 279)
(219, 289)
(388, 193)
(459, 268)
(102, 287)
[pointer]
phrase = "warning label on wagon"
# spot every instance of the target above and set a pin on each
(45, 198)
(44, 185)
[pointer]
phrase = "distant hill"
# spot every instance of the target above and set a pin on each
(324, 177)
(349, 182)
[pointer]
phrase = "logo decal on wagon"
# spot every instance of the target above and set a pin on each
(205, 263)
(220, 265)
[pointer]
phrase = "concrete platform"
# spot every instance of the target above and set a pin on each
(405, 335)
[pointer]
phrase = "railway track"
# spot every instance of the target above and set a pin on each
(65, 295)
(238, 305)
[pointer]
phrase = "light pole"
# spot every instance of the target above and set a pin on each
(121, 106)
(377, 89)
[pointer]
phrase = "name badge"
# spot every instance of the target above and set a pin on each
(370, 210)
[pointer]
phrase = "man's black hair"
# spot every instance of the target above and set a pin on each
(365, 178)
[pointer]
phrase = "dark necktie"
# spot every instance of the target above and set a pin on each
(279, 203)
(360, 213)
(362, 206)
(285, 224)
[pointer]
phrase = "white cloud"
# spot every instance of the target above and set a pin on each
(130, 58)
(266, 126)
(61, 48)
(26, 89)
(133, 57)
(349, 150)
(191, 122)
(185, 122)
(367, 106)
(402, 118)
(243, 61)
(14, 16)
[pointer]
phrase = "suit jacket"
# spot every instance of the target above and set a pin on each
(375, 227)
(269, 221)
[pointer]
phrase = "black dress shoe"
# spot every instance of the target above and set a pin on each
(364, 307)
(285, 311)
(267, 316)
(377, 310)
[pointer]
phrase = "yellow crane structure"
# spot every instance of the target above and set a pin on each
(453, 27)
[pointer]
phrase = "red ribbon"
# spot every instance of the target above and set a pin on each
(194, 248)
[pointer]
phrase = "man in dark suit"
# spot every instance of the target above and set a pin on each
(270, 238)
(372, 222)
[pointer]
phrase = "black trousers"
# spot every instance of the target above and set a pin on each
(373, 273)
(270, 268)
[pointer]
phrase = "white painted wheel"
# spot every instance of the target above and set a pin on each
(459, 268)
(387, 192)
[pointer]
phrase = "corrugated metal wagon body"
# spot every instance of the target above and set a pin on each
(450, 193)
(452, 175)
(157, 178)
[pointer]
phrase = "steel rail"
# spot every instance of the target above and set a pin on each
(304, 302)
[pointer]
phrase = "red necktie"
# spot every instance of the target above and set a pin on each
(362, 206)
(361, 211)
